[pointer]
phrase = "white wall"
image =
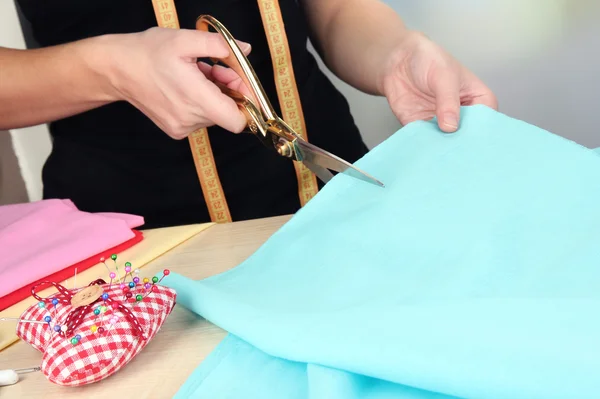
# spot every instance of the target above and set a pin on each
(31, 145)
(541, 57)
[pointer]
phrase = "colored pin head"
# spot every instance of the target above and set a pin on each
(113, 257)
(112, 275)
(155, 279)
(105, 296)
(166, 272)
(41, 304)
(47, 319)
(55, 301)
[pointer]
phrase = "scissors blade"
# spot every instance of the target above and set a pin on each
(324, 174)
(315, 156)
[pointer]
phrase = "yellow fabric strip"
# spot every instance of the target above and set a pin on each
(206, 168)
(287, 91)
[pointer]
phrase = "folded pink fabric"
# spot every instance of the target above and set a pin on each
(40, 238)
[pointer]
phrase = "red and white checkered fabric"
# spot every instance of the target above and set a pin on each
(97, 355)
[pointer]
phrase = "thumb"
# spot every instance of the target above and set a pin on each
(446, 90)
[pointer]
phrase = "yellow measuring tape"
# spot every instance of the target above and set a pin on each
(289, 101)
(287, 91)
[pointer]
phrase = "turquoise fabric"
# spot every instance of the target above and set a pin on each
(475, 273)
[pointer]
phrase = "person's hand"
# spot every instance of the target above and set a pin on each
(157, 72)
(421, 81)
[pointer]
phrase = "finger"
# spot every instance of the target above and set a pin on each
(245, 47)
(446, 89)
(224, 75)
(218, 72)
(229, 77)
(478, 92)
(488, 99)
(206, 70)
(196, 43)
(240, 86)
(223, 110)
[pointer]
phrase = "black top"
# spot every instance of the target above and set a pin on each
(115, 159)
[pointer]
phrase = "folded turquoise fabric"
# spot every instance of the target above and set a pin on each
(475, 273)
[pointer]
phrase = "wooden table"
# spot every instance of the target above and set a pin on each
(183, 341)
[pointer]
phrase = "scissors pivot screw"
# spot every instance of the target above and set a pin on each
(285, 149)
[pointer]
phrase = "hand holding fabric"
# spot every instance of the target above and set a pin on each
(421, 80)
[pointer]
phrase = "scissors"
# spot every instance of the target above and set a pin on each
(265, 124)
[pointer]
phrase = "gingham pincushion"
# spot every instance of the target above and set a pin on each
(85, 344)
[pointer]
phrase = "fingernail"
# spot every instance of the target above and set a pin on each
(245, 47)
(451, 121)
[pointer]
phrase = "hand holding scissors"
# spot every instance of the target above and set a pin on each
(265, 124)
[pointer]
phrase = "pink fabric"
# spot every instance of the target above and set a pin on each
(40, 238)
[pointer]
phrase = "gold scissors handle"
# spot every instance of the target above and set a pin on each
(270, 126)
(239, 63)
(255, 118)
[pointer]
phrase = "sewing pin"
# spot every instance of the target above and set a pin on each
(113, 320)
(21, 320)
(114, 259)
(166, 272)
(128, 270)
(54, 303)
(10, 377)
(105, 265)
